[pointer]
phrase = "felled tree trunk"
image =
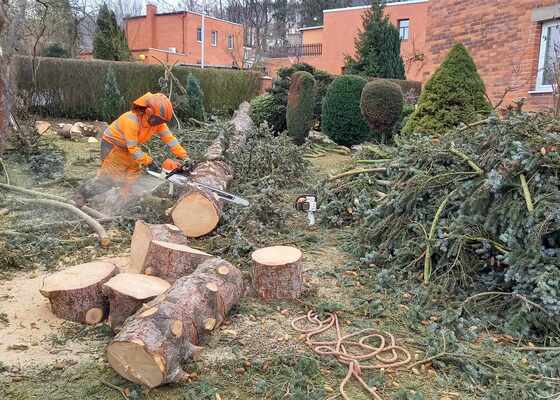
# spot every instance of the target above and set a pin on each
(277, 272)
(143, 237)
(75, 293)
(198, 211)
(127, 292)
(153, 343)
(171, 261)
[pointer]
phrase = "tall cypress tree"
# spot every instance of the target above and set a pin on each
(378, 47)
(109, 42)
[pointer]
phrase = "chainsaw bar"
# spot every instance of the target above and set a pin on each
(182, 180)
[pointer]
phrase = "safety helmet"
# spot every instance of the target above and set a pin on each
(156, 105)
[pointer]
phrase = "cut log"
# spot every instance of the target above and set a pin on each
(277, 272)
(198, 211)
(75, 293)
(154, 342)
(144, 235)
(127, 292)
(171, 261)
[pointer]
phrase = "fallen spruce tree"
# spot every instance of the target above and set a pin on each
(474, 211)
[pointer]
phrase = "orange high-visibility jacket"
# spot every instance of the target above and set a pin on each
(130, 130)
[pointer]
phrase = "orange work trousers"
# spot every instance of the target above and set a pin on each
(118, 165)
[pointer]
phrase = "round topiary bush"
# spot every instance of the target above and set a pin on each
(382, 104)
(342, 118)
(263, 109)
(301, 103)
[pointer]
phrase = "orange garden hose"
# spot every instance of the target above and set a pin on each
(386, 355)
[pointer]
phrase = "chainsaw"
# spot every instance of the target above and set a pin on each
(181, 176)
(307, 203)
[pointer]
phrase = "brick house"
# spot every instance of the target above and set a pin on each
(177, 37)
(511, 41)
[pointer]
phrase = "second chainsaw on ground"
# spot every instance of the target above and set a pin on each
(181, 176)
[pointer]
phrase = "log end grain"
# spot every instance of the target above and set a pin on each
(196, 214)
(137, 286)
(94, 316)
(132, 361)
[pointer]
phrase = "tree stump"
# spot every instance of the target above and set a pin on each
(154, 342)
(171, 261)
(75, 293)
(277, 272)
(127, 292)
(144, 235)
(198, 211)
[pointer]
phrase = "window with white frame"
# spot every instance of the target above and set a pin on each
(199, 35)
(549, 57)
(404, 24)
(230, 42)
(214, 38)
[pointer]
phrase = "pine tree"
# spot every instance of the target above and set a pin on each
(455, 94)
(378, 47)
(113, 102)
(109, 42)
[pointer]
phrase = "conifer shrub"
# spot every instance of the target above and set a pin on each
(455, 94)
(342, 118)
(194, 107)
(113, 102)
(263, 108)
(382, 104)
(301, 102)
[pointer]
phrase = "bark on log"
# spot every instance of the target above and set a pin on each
(127, 292)
(143, 236)
(75, 293)
(171, 261)
(277, 272)
(242, 123)
(198, 211)
(154, 342)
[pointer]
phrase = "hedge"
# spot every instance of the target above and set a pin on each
(73, 88)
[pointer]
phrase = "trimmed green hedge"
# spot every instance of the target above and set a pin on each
(382, 105)
(75, 88)
(342, 118)
(301, 103)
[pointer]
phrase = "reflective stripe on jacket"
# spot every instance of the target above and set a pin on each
(130, 131)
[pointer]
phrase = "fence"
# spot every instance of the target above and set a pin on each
(299, 50)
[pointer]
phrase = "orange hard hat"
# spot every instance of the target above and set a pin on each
(170, 165)
(156, 104)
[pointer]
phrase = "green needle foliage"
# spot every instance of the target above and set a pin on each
(109, 42)
(455, 94)
(301, 100)
(262, 109)
(113, 101)
(378, 47)
(342, 119)
(477, 212)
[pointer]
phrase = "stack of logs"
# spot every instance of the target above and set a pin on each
(171, 295)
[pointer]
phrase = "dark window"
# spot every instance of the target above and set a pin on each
(404, 24)
(199, 34)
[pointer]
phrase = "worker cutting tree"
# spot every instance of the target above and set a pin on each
(122, 158)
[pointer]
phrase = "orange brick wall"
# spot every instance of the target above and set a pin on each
(179, 30)
(501, 37)
(313, 36)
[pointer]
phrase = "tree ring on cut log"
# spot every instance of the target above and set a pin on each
(195, 214)
(212, 287)
(147, 367)
(210, 324)
(277, 255)
(77, 277)
(94, 316)
(138, 286)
